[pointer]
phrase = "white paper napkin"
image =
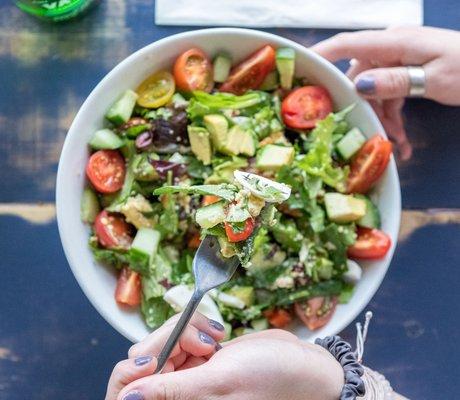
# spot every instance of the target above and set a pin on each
(290, 13)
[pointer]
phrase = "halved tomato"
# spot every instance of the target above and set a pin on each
(278, 317)
(156, 90)
(305, 106)
(371, 244)
(251, 72)
(128, 291)
(238, 236)
(369, 164)
(316, 312)
(193, 71)
(112, 230)
(106, 170)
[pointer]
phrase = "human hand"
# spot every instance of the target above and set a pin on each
(377, 68)
(267, 365)
(198, 342)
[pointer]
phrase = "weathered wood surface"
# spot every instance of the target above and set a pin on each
(53, 344)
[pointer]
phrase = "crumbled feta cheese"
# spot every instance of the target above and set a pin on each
(284, 282)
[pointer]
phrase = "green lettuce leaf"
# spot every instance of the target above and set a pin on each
(203, 103)
(226, 191)
(155, 311)
(318, 160)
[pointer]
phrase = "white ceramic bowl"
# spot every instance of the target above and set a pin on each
(98, 282)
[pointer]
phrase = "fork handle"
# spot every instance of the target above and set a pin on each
(178, 329)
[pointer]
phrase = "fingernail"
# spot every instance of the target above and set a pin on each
(134, 396)
(216, 325)
(205, 338)
(218, 346)
(139, 361)
(366, 84)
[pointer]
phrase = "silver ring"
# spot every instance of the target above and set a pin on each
(417, 81)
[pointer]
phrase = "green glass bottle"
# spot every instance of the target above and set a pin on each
(55, 10)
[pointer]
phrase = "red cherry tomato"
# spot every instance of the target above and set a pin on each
(234, 237)
(371, 244)
(278, 317)
(106, 170)
(368, 164)
(251, 72)
(193, 71)
(316, 312)
(305, 106)
(128, 291)
(112, 230)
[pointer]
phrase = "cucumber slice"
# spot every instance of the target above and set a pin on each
(145, 244)
(222, 65)
(105, 139)
(285, 63)
(89, 206)
(270, 82)
(372, 217)
(122, 109)
(259, 324)
(211, 215)
(351, 143)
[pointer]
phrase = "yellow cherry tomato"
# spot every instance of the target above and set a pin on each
(156, 90)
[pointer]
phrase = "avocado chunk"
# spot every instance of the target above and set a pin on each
(217, 126)
(211, 215)
(272, 157)
(143, 169)
(244, 293)
(247, 144)
(344, 208)
(226, 248)
(266, 257)
(239, 141)
(200, 143)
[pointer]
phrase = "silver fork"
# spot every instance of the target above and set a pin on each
(210, 270)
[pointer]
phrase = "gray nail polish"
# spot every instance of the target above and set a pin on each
(205, 338)
(216, 325)
(218, 346)
(139, 361)
(366, 84)
(136, 395)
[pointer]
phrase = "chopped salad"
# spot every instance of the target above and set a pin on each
(252, 154)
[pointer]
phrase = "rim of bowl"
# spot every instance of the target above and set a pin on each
(360, 303)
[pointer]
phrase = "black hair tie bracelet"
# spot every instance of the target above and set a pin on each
(355, 383)
(353, 370)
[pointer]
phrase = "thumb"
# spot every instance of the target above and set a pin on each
(194, 383)
(383, 83)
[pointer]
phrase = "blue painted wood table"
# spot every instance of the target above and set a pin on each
(54, 345)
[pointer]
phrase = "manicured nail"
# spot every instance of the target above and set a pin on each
(134, 396)
(205, 338)
(366, 84)
(216, 325)
(139, 361)
(218, 346)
